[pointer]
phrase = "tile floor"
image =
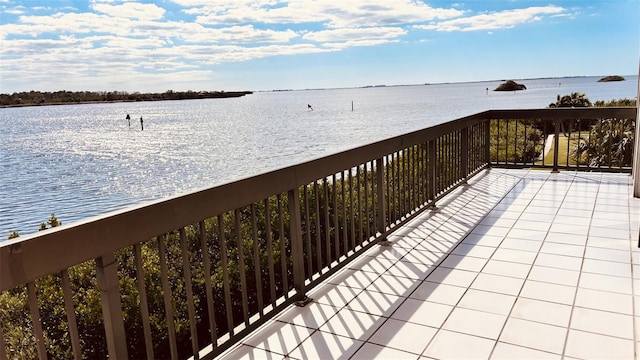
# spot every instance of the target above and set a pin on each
(520, 264)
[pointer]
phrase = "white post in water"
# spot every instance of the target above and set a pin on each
(636, 150)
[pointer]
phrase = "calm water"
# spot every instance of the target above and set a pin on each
(79, 161)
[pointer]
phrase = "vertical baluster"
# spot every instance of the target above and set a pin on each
(345, 222)
(297, 252)
(578, 150)
(34, 310)
(166, 292)
(515, 142)
(3, 347)
(374, 193)
(380, 187)
(283, 248)
(556, 145)
(464, 159)
(243, 272)
(352, 211)
(386, 172)
(336, 220)
(108, 283)
(327, 230)
(432, 171)
(206, 263)
(272, 276)
(487, 142)
(394, 185)
(71, 315)
(569, 126)
(359, 201)
(191, 310)
(256, 259)
(144, 306)
(306, 229)
(318, 229)
(225, 274)
(367, 173)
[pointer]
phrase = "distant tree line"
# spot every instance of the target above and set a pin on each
(27, 98)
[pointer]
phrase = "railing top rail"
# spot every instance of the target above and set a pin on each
(628, 112)
(32, 256)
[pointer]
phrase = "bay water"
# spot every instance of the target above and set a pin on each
(79, 161)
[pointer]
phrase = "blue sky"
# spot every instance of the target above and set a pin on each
(155, 46)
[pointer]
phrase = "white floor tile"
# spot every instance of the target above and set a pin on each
(604, 300)
(506, 268)
(562, 249)
(487, 301)
(497, 283)
(353, 324)
(607, 267)
(519, 256)
(463, 263)
(452, 276)
(536, 235)
(554, 275)
(376, 303)
(518, 244)
(313, 315)
(542, 311)
(439, 293)
(372, 351)
(353, 278)
(622, 256)
(534, 335)
(482, 239)
(505, 351)
(473, 322)
(393, 285)
(606, 283)
(452, 345)
(337, 296)
(278, 337)
(247, 352)
(474, 250)
(602, 322)
(322, 345)
(571, 239)
(548, 292)
(402, 335)
(559, 261)
(586, 345)
(423, 312)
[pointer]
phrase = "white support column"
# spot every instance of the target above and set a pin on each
(636, 150)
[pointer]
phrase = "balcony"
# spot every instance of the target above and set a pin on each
(455, 238)
(519, 264)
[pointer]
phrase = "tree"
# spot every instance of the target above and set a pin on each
(610, 141)
(575, 99)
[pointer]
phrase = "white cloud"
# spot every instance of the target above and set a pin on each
(333, 13)
(494, 20)
(353, 34)
(131, 11)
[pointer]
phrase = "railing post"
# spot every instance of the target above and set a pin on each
(381, 194)
(107, 277)
(297, 251)
(464, 149)
(556, 144)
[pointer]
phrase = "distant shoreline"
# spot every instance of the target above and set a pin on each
(37, 98)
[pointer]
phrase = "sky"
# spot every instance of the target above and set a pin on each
(229, 45)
